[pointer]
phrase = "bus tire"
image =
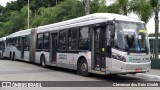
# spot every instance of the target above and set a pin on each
(13, 58)
(43, 61)
(83, 68)
(10, 56)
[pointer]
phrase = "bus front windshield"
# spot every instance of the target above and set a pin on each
(131, 37)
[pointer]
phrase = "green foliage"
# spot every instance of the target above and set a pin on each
(66, 10)
(102, 6)
(119, 7)
(17, 21)
(1, 13)
(112, 9)
(94, 6)
(154, 3)
(142, 8)
(14, 16)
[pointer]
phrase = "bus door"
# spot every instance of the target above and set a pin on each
(22, 46)
(54, 47)
(99, 48)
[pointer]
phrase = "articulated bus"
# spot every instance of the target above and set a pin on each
(101, 43)
(2, 47)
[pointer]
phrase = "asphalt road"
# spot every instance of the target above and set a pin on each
(23, 71)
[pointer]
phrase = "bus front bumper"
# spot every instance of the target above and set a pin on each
(126, 67)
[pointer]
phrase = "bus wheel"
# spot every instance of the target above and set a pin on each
(83, 68)
(43, 61)
(13, 58)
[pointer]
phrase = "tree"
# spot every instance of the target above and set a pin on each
(142, 8)
(98, 6)
(156, 7)
(87, 6)
(14, 16)
(102, 6)
(94, 6)
(44, 12)
(63, 11)
(119, 7)
(36, 4)
(17, 20)
(21, 4)
(1, 13)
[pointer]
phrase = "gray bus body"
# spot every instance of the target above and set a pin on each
(110, 44)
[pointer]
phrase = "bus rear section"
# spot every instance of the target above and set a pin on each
(2, 47)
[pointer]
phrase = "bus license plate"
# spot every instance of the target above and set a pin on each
(138, 69)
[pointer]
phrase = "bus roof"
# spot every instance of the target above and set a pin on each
(3, 39)
(100, 17)
(20, 33)
(88, 19)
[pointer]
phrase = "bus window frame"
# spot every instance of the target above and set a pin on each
(46, 50)
(42, 49)
(28, 42)
(66, 41)
(89, 37)
(37, 49)
(71, 39)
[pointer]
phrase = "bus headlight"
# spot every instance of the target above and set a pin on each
(119, 57)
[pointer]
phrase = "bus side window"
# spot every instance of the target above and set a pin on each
(62, 40)
(39, 41)
(83, 38)
(27, 42)
(46, 41)
(72, 39)
(19, 43)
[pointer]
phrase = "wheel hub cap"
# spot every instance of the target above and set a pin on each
(84, 67)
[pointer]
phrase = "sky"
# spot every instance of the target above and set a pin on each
(150, 24)
(3, 2)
